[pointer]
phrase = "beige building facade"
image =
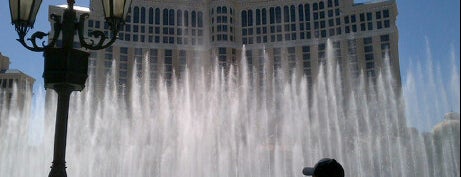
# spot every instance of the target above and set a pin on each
(163, 36)
(15, 86)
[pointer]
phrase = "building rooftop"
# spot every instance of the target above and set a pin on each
(451, 120)
(78, 8)
(372, 2)
(14, 71)
(11, 71)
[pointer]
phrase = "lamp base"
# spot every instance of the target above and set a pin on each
(58, 169)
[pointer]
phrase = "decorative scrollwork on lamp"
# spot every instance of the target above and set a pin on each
(24, 12)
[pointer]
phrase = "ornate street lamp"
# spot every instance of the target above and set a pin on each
(65, 67)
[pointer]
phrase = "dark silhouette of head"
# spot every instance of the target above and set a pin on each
(325, 167)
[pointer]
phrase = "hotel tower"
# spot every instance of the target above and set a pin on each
(291, 36)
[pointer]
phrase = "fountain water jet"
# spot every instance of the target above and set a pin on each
(225, 123)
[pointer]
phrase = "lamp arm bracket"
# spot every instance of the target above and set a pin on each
(92, 44)
(57, 26)
(39, 35)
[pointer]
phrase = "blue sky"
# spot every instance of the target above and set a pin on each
(425, 27)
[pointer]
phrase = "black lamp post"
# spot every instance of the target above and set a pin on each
(65, 67)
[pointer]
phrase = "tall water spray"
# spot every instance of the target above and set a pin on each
(224, 123)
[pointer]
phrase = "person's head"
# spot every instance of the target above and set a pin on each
(325, 168)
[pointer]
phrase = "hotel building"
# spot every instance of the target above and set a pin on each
(293, 34)
(15, 86)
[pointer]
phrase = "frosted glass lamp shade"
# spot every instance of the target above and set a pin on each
(116, 9)
(24, 12)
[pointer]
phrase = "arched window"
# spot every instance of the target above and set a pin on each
(200, 19)
(194, 19)
(293, 13)
(136, 15)
(272, 15)
(307, 12)
(179, 16)
(278, 15)
(258, 16)
(301, 12)
(151, 15)
(186, 18)
(264, 16)
(250, 18)
(315, 6)
(219, 10)
(286, 14)
(224, 10)
(165, 16)
(143, 15)
(157, 16)
(171, 17)
(244, 18)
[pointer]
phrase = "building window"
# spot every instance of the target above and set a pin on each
(182, 61)
(386, 13)
(379, 24)
(138, 60)
(123, 66)
(153, 65)
(367, 40)
(386, 24)
(151, 15)
(368, 48)
(307, 12)
(301, 12)
(277, 59)
(321, 54)
(244, 18)
(384, 38)
(200, 19)
(194, 19)
(157, 16)
(222, 57)
(171, 17)
(143, 15)
(258, 17)
(186, 18)
(264, 17)
(249, 61)
(165, 17)
(286, 14)
(369, 57)
(90, 23)
(291, 60)
(306, 61)
(278, 15)
(136, 15)
(385, 46)
(250, 18)
(179, 17)
(378, 15)
(168, 64)
(272, 15)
